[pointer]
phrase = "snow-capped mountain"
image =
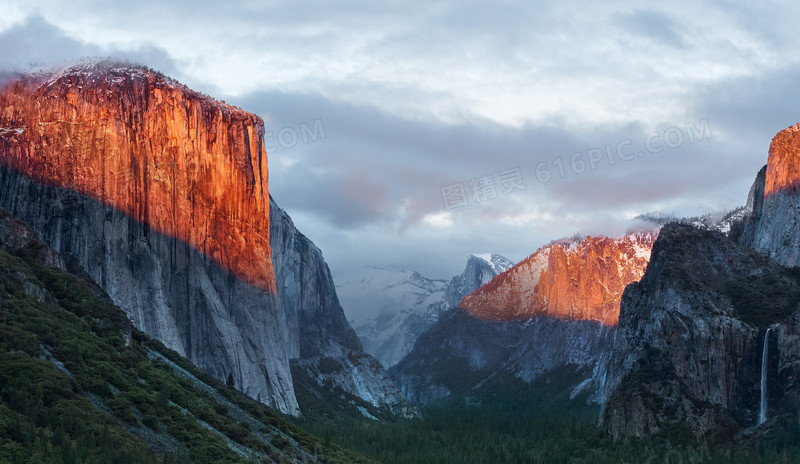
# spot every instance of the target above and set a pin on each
(569, 278)
(408, 303)
(480, 270)
(555, 309)
(717, 221)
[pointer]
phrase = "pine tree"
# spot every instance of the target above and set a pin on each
(229, 382)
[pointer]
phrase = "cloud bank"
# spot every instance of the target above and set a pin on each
(373, 109)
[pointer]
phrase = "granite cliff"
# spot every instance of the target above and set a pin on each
(554, 310)
(174, 160)
(688, 348)
(773, 225)
(707, 340)
(160, 195)
(568, 279)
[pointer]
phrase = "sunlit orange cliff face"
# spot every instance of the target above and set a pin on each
(177, 161)
(783, 165)
(569, 279)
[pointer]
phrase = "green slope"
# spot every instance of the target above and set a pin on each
(78, 384)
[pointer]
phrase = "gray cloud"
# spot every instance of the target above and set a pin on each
(416, 97)
(396, 162)
(367, 185)
(653, 25)
(753, 108)
(36, 43)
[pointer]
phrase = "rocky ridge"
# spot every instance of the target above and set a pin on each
(159, 194)
(462, 354)
(688, 348)
(412, 303)
(571, 279)
(320, 341)
(773, 224)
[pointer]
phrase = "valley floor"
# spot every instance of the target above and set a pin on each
(479, 435)
(533, 423)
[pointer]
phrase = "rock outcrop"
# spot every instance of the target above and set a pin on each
(569, 279)
(157, 193)
(320, 340)
(410, 304)
(176, 161)
(462, 354)
(479, 271)
(773, 225)
(160, 195)
(170, 290)
(687, 350)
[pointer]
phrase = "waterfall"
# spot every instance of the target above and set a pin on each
(762, 417)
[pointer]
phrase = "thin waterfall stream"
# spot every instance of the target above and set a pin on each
(762, 417)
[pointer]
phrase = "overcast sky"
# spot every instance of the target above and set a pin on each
(372, 111)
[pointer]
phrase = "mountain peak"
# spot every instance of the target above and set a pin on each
(186, 165)
(570, 278)
(783, 165)
(498, 263)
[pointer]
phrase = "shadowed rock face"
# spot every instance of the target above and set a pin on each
(462, 353)
(307, 291)
(415, 303)
(569, 279)
(773, 226)
(171, 159)
(689, 344)
(160, 195)
(321, 342)
(170, 291)
(687, 350)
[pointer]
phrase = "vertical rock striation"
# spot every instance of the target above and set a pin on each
(321, 342)
(569, 279)
(160, 195)
(773, 225)
(688, 348)
(176, 161)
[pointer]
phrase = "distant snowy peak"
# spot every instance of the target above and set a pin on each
(498, 263)
(479, 271)
(386, 279)
(718, 221)
(404, 304)
(387, 291)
